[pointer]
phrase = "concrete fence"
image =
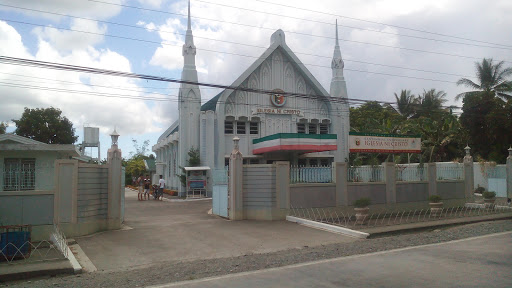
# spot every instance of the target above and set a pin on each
(83, 199)
(265, 191)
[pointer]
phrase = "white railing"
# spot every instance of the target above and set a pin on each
(453, 172)
(411, 173)
(310, 174)
(366, 174)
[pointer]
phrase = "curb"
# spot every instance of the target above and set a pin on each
(36, 273)
(328, 227)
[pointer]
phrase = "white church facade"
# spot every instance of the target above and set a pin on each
(277, 108)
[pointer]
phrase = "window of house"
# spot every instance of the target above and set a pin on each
(245, 161)
(324, 128)
(324, 162)
(19, 174)
(228, 127)
(312, 127)
(301, 128)
(254, 161)
(313, 162)
(253, 127)
(240, 127)
(301, 162)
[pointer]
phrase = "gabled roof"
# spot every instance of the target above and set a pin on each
(13, 139)
(277, 41)
(11, 142)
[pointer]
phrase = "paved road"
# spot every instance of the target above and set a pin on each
(176, 231)
(475, 262)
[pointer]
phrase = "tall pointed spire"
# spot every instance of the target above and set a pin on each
(337, 61)
(188, 26)
(337, 43)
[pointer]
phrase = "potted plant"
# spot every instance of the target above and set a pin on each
(361, 208)
(489, 198)
(436, 206)
(479, 190)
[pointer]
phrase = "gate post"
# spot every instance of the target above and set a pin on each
(469, 176)
(283, 184)
(432, 179)
(509, 173)
(236, 201)
(340, 179)
(115, 187)
(390, 174)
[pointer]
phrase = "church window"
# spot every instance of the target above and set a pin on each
(253, 127)
(301, 162)
(254, 161)
(228, 127)
(313, 162)
(240, 127)
(324, 162)
(301, 128)
(324, 128)
(312, 127)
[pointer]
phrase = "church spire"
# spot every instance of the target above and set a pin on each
(188, 26)
(337, 63)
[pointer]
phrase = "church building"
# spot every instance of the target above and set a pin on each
(276, 107)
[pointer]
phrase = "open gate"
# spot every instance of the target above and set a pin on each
(220, 192)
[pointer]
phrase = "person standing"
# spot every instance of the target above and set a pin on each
(147, 183)
(161, 186)
(140, 183)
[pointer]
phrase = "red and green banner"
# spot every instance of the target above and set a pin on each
(305, 143)
(384, 143)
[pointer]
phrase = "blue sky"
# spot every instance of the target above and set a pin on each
(230, 35)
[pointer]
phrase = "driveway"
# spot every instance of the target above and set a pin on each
(158, 231)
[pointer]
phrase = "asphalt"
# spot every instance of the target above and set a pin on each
(169, 230)
(484, 261)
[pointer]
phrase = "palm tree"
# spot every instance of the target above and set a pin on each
(429, 102)
(492, 78)
(405, 103)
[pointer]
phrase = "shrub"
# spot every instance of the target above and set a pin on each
(435, 198)
(489, 194)
(480, 190)
(362, 202)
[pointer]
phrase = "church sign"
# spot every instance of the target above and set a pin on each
(384, 143)
(278, 111)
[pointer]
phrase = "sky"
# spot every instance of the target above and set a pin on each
(387, 46)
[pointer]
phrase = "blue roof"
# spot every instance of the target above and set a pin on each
(211, 105)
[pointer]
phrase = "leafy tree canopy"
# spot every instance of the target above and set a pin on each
(3, 127)
(45, 125)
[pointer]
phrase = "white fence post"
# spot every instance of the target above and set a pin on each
(509, 173)
(390, 174)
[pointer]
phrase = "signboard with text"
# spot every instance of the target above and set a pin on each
(384, 143)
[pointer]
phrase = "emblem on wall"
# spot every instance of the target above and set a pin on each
(277, 98)
(358, 141)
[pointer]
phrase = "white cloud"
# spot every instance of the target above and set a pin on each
(64, 40)
(99, 104)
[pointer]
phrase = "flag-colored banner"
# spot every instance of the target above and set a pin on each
(384, 143)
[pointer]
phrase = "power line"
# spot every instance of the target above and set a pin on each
(211, 39)
(292, 32)
(74, 68)
(381, 23)
(223, 52)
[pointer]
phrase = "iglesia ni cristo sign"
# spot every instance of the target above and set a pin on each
(384, 143)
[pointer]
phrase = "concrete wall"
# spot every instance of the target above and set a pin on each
(411, 192)
(259, 191)
(376, 192)
(92, 193)
(31, 207)
(451, 189)
(312, 195)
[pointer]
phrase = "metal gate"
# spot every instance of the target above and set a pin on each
(220, 192)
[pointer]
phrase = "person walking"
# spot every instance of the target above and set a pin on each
(140, 183)
(161, 186)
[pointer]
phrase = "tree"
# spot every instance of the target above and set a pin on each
(492, 80)
(194, 160)
(405, 103)
(45, 125)
(430, 104)
(3, 127)
(140, 150)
